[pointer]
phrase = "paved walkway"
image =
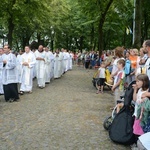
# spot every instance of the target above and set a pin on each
(66, 115)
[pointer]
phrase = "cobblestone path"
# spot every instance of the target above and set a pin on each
(66, 115)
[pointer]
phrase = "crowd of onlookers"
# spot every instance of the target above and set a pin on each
(125, 66)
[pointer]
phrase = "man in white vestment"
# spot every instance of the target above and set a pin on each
(27, 62)
(51, 65)
(61, 61)
(48, 67)
(64, 60)
(41, 60)
(71, 60)
(1, 68)
(34, 68)
(19, 67)
(9, 75)
(68, 60)
(57, 64)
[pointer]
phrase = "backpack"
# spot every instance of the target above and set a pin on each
(121, 129)
(127, 68)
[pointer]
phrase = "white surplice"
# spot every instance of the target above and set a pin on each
(40, 68)
(70, 61)
(27, 71)
(58, 65)
(19, 67)
(51, 65)
(64, 62)
(61, 60)
(9, 73)
(1, 68)
(48, 67)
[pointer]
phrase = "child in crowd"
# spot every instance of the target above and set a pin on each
(141, 86)
(101, 76)
(118, 87)
(127, 68)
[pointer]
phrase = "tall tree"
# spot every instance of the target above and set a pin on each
(137, 23)
(101, 23)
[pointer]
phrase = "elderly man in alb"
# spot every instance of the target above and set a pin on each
(9, 75)
(41, 59)
(64, 60)
(27, 61)
(19, 67)
(58, 63)
(70, 60)
(1, 68)
(48, 66)
(51, 65)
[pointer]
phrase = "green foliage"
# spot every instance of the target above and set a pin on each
(72, 24)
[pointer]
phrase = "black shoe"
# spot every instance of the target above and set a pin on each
(21, 92)
(16, 100)
(41, 87)
(11, 100)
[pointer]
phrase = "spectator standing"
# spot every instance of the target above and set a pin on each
(142, 85)
(118, 56)
(87, 60)
(101, 75)
(133, 58)
(146, 46)
(118, 86)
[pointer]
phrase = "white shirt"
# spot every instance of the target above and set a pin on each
(138, 101)
(115, 65)
(147, 65)
(101, 72)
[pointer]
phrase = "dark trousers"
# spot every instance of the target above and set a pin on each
(10, 91)
(87, 64)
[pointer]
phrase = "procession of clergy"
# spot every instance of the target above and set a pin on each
(41, 64)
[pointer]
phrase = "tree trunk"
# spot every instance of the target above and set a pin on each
(138, 21)
(39, 38)
(25, 41)
(67, 42)
(100, 28)
(100, 38)
(77, 44)
(124, 38)
(10, 31)
(81, 43)
(92, 37)
(145, 27)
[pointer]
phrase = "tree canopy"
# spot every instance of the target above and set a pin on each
(74, 24)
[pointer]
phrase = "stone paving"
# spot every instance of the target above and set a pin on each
(66, 115)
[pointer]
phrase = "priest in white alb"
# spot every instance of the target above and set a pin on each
(19, 67)
(58, 56)
(9, 75)
(51, 65)
(1, 69)
(48, 67)
(27, 62)
(41, 60)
